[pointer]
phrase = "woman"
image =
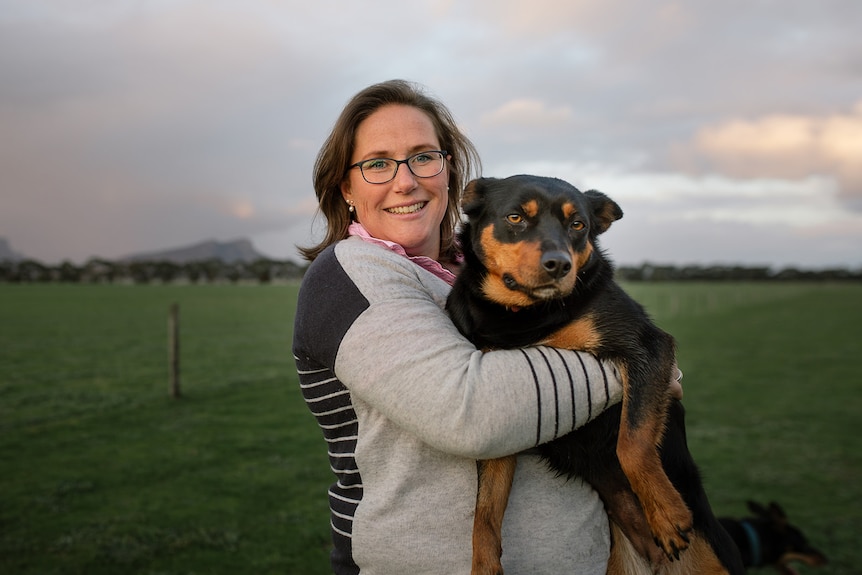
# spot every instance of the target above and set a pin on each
(405, 403)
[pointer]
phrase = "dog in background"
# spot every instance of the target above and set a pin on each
(768, 539)
(534, 274)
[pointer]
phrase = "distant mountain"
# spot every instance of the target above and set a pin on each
(6, 253)
(240, 250)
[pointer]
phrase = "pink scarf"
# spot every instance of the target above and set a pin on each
(430, 264)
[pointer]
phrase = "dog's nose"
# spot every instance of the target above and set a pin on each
(556, 263)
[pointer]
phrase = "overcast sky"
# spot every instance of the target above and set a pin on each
(729, 132)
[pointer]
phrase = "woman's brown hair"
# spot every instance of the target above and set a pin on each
(334, 156)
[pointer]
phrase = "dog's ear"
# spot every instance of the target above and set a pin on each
(604, 210)
(758, 509)
(777, 513)
(473, 196)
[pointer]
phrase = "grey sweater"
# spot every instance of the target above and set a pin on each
(407, 405)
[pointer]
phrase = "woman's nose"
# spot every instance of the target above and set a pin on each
(404, 179)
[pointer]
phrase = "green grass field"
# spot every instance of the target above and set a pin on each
(103, 473)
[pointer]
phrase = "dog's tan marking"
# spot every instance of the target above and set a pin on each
(531, 208)
(509, 258)
(581, 334)
(582, 257)
(569, 210)
(495, 290)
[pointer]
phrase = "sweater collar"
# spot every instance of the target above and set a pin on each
(429, 264)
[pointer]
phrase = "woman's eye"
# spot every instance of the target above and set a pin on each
(378, 165)
(514, 218)
(578, 225)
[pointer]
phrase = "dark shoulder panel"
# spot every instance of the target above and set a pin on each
(329, 302)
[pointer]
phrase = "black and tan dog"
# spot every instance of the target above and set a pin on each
(534, 274)
(768, 539)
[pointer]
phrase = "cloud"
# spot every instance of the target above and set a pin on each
(529, 113)
(242, 209)
(788, 146)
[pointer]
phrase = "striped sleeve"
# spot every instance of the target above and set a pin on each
(329, 402)
(565, 396)
(318, 329)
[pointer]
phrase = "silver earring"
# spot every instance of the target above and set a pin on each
(350, 207)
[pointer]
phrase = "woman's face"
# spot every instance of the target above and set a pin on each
(407, 210)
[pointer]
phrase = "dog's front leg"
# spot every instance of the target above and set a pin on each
(495, 484)
(641, 431)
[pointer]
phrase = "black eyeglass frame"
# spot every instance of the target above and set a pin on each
(443, 154)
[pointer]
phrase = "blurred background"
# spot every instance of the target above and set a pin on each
(728, 132)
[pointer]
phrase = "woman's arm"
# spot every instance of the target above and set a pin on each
(400, 354)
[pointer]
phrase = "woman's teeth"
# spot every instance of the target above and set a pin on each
(407, 209)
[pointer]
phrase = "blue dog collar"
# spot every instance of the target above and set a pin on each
(753, 543)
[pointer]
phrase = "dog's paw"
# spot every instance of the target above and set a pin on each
(483, 568)
(672, 531)
(486, 562)
(675, 543)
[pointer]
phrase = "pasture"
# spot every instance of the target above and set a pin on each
(103, 473)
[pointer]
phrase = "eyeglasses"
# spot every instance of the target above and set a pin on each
(382, 170)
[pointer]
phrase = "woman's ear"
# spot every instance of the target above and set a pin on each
(345, 190)
(347, 195)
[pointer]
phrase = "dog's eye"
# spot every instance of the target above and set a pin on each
(514, 218)
(578, 225)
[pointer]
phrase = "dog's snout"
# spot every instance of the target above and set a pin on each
(557, 263)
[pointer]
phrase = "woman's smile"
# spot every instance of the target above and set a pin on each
(408, 209)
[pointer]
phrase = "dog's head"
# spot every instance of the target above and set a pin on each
(533, 235)
(789, 539)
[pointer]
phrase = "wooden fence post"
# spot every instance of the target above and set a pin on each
(174, 349)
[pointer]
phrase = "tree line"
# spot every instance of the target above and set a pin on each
(652, 272)
(266, 270)
(98, 270)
